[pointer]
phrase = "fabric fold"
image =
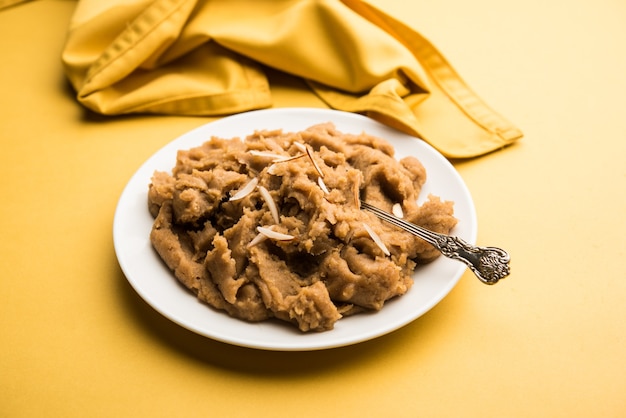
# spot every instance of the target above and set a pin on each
(5, 4)
(195, 57)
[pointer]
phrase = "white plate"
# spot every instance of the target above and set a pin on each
(157, 286)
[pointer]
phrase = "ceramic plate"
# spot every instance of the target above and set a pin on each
(157, 286)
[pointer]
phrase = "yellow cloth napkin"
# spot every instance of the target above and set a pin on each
(194, 57)
(5, 4)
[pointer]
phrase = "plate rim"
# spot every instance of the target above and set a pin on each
(303, 341)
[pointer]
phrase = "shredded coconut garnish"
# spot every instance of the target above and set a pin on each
(357, 199)
(270, 203)
(259, 238)
(272, 168)
(271, 234)
(266, 154)
(376, 239)
(300, 146)
(322, 185)
(396, 209)
(245, 190)
(295, 157)
(317, 167)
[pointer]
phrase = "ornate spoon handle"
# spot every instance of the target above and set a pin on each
(489, 264)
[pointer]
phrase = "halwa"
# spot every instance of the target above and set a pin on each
(270, 226)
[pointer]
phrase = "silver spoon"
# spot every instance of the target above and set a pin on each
(489, 264)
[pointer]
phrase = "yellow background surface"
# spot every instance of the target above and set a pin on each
(549, 341)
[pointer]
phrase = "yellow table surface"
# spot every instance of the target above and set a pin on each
(549, 341)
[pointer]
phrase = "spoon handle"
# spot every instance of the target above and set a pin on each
(489, 264)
